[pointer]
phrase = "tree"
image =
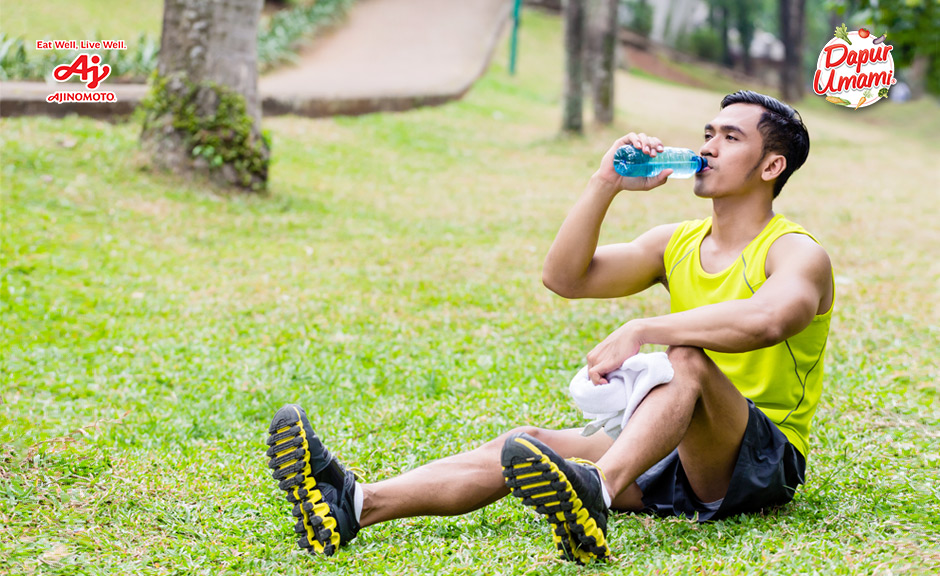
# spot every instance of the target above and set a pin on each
(913, 28)
(719, 16)
(600, 57)
(722, 14)
(572, 114)
(745, 13)
(203, 113)
(792, 20)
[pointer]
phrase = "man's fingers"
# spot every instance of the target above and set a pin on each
(598, 372)
(627, 139)
(596, 378)
(650, 145)
(660, 178)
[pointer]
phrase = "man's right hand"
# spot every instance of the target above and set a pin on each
(649, 145)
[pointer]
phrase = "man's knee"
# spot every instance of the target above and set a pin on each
(691, 367)
(688, 360)
(537, 433)
(540, 434)
(696, 371)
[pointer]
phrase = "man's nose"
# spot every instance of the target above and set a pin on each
(707, 148)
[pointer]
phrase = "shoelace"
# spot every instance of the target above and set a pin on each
(359, 473)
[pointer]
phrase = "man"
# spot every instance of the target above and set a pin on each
(751, 297)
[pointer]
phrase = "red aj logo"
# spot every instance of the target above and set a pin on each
(80, 67)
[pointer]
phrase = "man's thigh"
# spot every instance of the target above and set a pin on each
(710, 447)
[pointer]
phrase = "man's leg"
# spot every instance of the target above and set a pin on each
(464, 482)
(324, 493)
(700, 412)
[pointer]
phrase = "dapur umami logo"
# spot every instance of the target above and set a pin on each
(89, 68)
(854, 69)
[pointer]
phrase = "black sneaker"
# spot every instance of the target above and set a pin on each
(567, 492)
(320, 488)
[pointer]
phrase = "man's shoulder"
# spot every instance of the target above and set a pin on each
(798, 247)
(784, 227)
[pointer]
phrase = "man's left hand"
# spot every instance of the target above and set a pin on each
(610, 354)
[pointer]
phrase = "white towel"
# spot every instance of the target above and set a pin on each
(611, 405)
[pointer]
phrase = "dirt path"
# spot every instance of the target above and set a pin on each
(395, 50)
(386, 55)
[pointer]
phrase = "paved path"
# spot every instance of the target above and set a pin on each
(386, 55)
(392, 54)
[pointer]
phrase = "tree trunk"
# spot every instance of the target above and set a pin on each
(572, 116)
(792, 26)
(727, 58)
(917, 75)
(601, 57)
(746, 29)
(203, 113)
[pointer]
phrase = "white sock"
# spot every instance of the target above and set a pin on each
(604, 492)
(357, 502)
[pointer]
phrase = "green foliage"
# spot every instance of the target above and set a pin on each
(641, 16)
(16, 63)
(705, 43)
(277, 43)
(913, 28)
(287, 28)
(214, 125)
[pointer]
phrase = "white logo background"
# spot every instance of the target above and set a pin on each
(845, 69)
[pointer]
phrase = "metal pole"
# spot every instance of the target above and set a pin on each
(515, 37)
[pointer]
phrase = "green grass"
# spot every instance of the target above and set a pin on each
(391, 284)
(82, 19)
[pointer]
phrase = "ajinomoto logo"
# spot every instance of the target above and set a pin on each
(854, 69)
(89, 68)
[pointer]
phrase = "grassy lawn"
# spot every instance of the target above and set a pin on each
(81, 19)
(391, 284)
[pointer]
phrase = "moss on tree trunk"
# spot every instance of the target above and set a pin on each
(203, 112)
(204, 127)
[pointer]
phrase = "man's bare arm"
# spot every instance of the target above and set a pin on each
(576, 268)
(799, 286)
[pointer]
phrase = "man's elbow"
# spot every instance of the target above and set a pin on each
(558, 286)
(552, 284)
(772, 328)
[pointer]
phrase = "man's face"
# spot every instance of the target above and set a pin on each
(733, 148)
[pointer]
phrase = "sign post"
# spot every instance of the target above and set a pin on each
(514, 40)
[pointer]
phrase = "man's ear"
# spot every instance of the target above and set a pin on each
(775, 166)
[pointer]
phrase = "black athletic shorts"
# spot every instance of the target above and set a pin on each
(766, 474)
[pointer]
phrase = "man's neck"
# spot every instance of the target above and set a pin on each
(738, 220)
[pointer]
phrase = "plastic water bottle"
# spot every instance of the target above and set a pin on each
(632, 162)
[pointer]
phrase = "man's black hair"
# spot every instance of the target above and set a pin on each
(782, 129)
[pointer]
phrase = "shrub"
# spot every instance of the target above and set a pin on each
(641, 16)
(704, 43)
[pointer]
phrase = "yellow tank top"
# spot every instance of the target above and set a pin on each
(785, 380)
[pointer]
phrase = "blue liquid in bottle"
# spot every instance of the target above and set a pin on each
(632, 162)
